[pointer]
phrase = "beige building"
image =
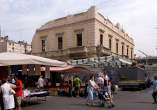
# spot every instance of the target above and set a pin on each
(82, 35)
(12, 46)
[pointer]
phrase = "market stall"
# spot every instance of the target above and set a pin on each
(61, 76)
(22, 59)
(12, 62)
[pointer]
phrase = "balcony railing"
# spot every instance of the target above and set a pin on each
(101, 50)
(81, 49)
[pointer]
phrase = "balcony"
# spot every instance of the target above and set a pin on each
(103, 51)
(78, 52)
(81, 49)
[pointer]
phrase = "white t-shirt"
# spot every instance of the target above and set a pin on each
(8, 99)
(100, 80)
(106, 77)
(41, 82)
(92, 83)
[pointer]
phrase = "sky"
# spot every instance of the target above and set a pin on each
(20, 18)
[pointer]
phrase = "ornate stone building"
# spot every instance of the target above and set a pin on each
(82, 35)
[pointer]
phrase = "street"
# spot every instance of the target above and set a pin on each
(124, 100)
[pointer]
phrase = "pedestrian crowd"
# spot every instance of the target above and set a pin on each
(11, 93)
(11, 90)
(103, 83)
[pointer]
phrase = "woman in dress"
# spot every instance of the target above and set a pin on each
(91, 86)
(8, 97)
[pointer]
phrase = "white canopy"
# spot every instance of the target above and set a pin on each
(19, 59)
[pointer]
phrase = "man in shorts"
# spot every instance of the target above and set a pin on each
(18, 90)
(77, 83)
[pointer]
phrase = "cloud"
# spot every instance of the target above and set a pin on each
(138, 18)
(20, 18)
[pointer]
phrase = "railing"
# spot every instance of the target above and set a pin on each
(101, 50)
(81, 49)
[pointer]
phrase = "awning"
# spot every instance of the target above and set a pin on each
(20, 59)
(124, 60)
(57, 68)
(73, 69)
(100, 61)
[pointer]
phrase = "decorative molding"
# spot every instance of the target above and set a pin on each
(117, 40)
(60, 34)
(110, 36)
(78, 31)
(43, 37)
(122, 43)
(101, 30)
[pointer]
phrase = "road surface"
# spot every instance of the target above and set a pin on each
(124, 100)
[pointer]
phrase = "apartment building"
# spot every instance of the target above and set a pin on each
(7, 45)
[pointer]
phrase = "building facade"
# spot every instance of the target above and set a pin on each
(83, 35)
(15, 47)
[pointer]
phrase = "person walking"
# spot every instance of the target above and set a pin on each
(41, 82)
(8, 95)
(18, 90)
(154, 94)
(91, 86)
(70, 88)
(77, 83)
(107, 85)
(100, 80)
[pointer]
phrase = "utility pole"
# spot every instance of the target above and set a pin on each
(145, 55)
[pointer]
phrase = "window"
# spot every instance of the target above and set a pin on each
(131, 53)
(117, 47)
(13, 49)
(101, 39)
(43, 45)
(110, 43)
(127, 51)
(122, 50)
(79, 39)
(60, 43)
